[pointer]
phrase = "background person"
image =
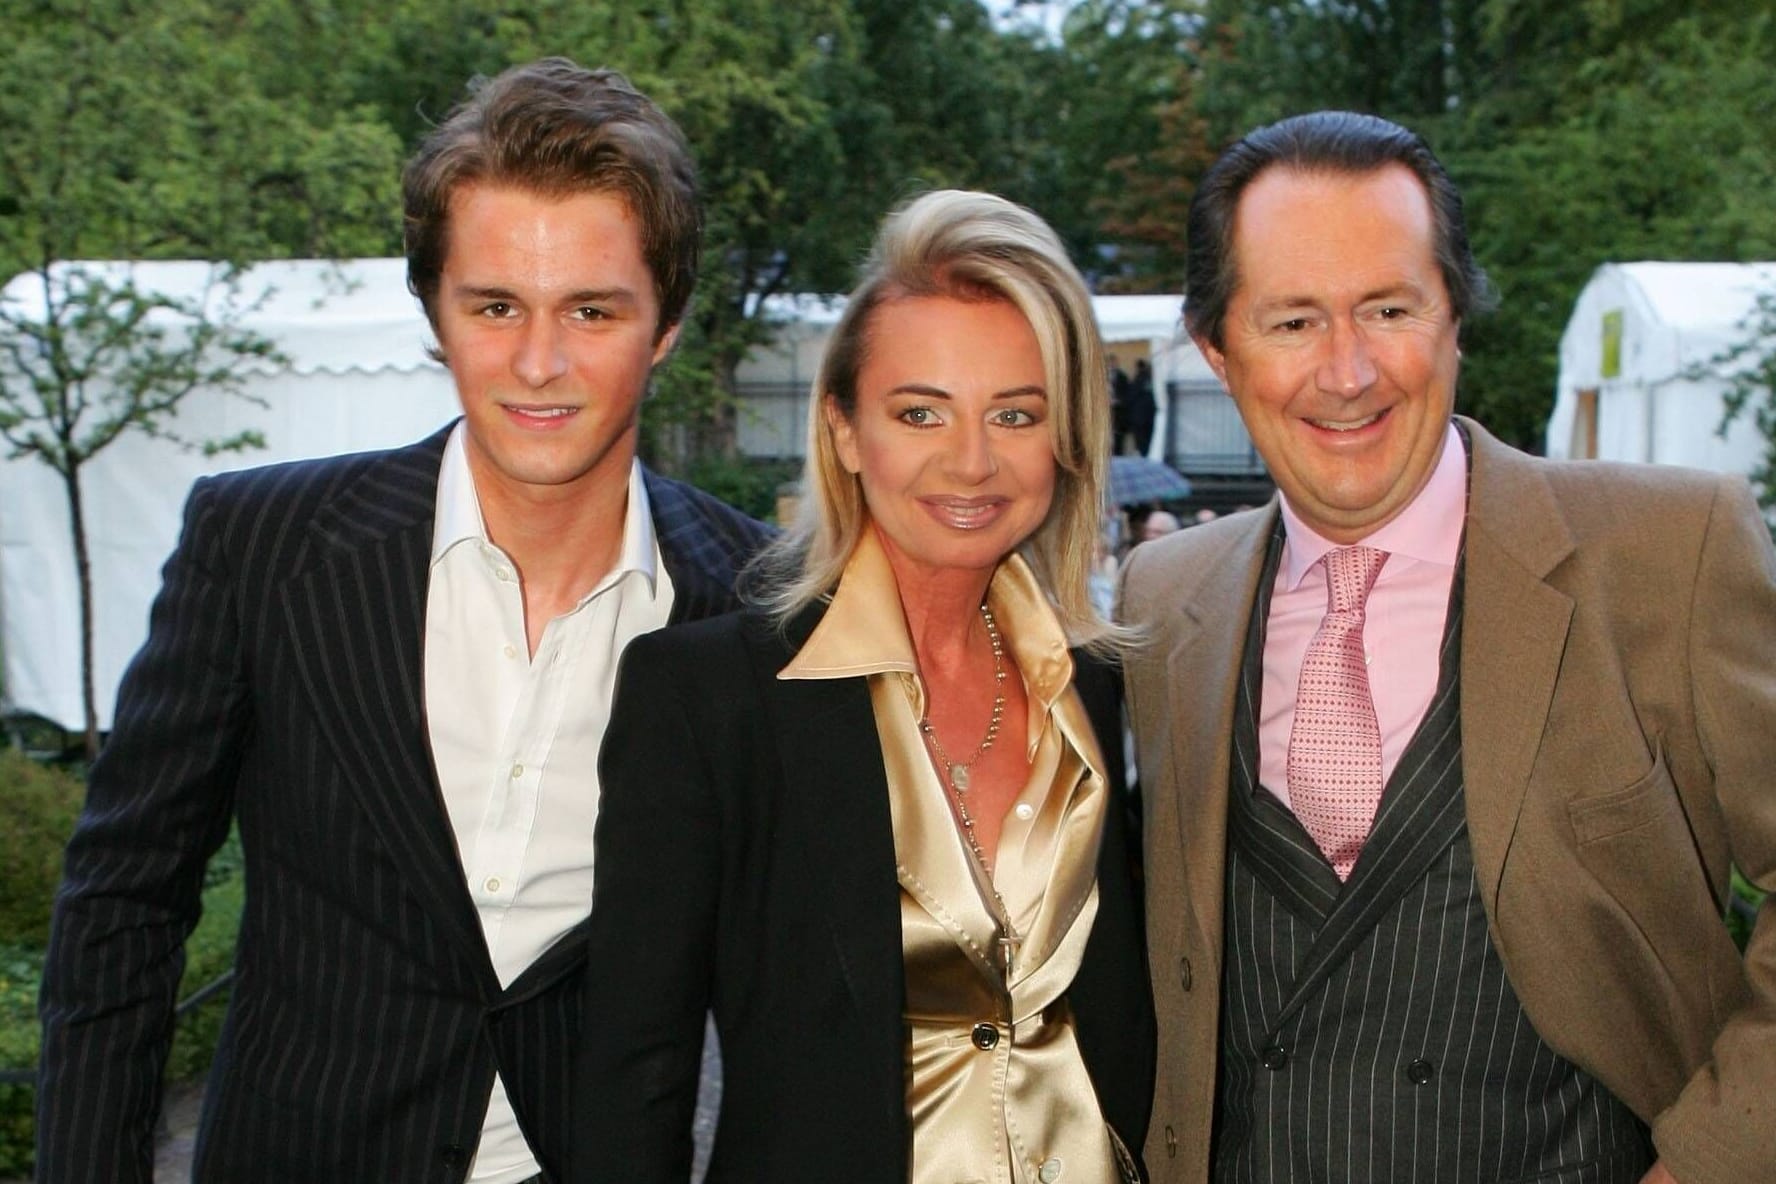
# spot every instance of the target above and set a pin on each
(875, 826)
(393, 671)
(1449, 750)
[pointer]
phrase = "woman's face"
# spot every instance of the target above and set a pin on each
(950, 437)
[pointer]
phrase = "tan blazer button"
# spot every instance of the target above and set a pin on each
(985, 1036)
(1184, 974)
(1171, 1142)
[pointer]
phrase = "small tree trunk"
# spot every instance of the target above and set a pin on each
(83, 576)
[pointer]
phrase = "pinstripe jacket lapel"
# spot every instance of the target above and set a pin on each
(357, 614)
(1513, 636)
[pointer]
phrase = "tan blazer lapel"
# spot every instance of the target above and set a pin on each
(1514, 631)
(1216, 591)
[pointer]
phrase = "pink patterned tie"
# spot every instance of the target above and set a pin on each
(1335, 744)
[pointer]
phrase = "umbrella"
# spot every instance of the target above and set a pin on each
(1135, 480)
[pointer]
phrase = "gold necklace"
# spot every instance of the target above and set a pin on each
(958, 778)
(958, 772)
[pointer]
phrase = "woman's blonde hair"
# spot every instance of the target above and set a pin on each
(970, 246)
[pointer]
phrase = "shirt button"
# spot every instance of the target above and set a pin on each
(493, 883)
(1419, 1072)
(504, 573)
(1274, 1057)
(1050, 1171)
(517, 772)
(511, 651)
(985, 1036)
(1025, 811)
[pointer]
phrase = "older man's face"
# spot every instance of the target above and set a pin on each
(1340, 344)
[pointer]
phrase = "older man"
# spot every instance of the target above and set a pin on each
(1449, 750)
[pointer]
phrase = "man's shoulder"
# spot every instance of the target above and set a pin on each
(404, 473)
(1182, 551)
(1598, 496)
(700, 526)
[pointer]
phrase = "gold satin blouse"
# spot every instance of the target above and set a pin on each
(997, 1090)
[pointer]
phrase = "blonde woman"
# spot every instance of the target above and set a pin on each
(875, 825)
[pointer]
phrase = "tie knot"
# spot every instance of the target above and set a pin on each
(1350, 573)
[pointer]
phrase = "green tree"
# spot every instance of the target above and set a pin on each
(136, 131)
(1749, 367)
(97, 357)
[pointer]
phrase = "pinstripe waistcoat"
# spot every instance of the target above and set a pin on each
(1368, 1030)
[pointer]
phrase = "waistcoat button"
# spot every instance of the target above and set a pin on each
(1419, 1072)
(1274, 1057)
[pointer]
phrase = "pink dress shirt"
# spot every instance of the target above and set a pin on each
(1404, 628)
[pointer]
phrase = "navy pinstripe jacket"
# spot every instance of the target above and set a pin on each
(281, 685)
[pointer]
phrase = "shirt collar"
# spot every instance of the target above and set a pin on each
(458, 515)
(864, 630)
(1429, 529)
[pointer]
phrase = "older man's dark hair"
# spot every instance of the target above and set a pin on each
(1321, 142)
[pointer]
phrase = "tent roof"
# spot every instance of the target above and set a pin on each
(1678, 315)
(1120, 318)
(324, 315)
(1698, 295)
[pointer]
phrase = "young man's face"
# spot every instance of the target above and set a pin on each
(1340, 343)
(549, 322)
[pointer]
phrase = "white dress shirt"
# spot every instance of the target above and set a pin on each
(515, 738)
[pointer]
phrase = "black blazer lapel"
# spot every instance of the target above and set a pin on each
(834, 779)
(356, 616)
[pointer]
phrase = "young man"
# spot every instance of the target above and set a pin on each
(393, 670)
(1448, 750)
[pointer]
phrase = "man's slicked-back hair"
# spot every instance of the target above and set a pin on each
(556, 129)
(1339, 142)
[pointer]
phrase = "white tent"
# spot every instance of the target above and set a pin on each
(357, 377)
(1636, 376)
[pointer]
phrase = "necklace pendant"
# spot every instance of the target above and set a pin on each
(959, 777)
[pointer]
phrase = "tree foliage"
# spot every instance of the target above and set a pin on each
(96, 357)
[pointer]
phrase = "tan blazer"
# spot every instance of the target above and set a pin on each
(1619, 752)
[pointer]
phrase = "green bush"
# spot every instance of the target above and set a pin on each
(209, 953)
(38, 805)
(747, 485)
(20, 969)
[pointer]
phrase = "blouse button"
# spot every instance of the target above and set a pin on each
(1025, 811)
(1050, 1171)
(985, 1036)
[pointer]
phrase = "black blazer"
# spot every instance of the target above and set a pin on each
(281, 687)
(746, 866)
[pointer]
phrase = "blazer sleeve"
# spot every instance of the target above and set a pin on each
(1719, 1128)
(652, 934)
(159, 800)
